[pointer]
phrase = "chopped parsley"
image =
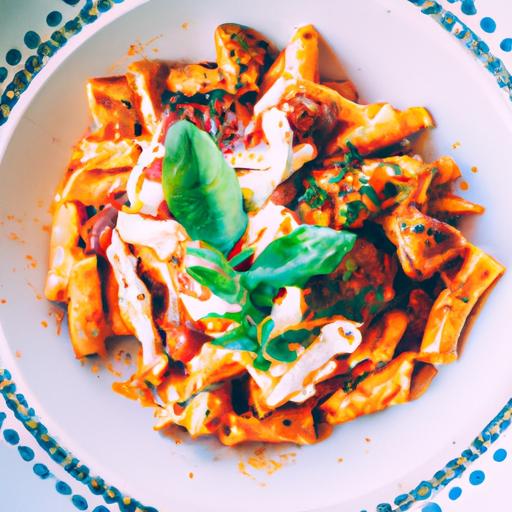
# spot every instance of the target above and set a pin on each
(351, 160)
(314, 196)
(351, 211)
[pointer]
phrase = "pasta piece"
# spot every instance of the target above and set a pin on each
(91, 154)
(97, 170)
(64, 251)
(294, 425)
(87, 325)
(135, 308)
(450, 204)
(383, 388)
(114, 318)
(212, 364)
(241, 55)
(147, 79)
(345, 87)
(342, 194)
(424, 244)
(201, 416)
(367, 127)
(95, 187)
(298, 60)
(113, 107)
(454, 304)
(381, 339)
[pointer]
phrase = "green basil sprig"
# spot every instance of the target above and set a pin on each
(201, 189)
(287, 261)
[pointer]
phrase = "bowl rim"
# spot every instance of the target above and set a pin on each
(101, 13)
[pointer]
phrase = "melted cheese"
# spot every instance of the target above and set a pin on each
(296, 380)
(267, 224)
(163, 236)
(134, 298)
(147, 195)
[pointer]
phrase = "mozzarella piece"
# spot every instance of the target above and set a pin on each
(212, 364)
(267, 224)
(281, 159)
(289, 310)
(273, 96)
(338, 337)
(163, 236)
(134, 300)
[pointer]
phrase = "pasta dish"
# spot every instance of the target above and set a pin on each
(285, 259)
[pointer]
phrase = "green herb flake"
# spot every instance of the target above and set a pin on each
(314, 196)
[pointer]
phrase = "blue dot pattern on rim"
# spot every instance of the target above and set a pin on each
(71, 2)
(11, 436)
(467, 6)
(13, 57)
(26, 453)
(80, 502)
(476, 477)
(432, 507)
(500, 455)
(31, 39)
(63, 488)
(3, 74)
(101, 508)
(488, 25)
(41, 470)
(54, 18)
(506, 44)
(455, 493)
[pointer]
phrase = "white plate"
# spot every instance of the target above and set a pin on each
(392, 52)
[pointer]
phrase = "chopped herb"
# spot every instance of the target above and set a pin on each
(464, 299)
(369, 191)
(351, 211)
(351, 385)
(419, 228)
(403, 226)
(243, 68)
(241, 41)
(137, 129)
(232, 53)
(314, 196)
(351, 160)
(126, 103)
(207, 413)
(389, 190)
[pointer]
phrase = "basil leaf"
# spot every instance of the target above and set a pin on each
(200, 188)
(213, 256)
(222, 285)
(292, 259)
(243, 255)
(237, 339)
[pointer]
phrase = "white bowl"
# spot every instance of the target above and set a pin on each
(392, 52)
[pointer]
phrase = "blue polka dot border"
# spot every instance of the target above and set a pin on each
(11, 93)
